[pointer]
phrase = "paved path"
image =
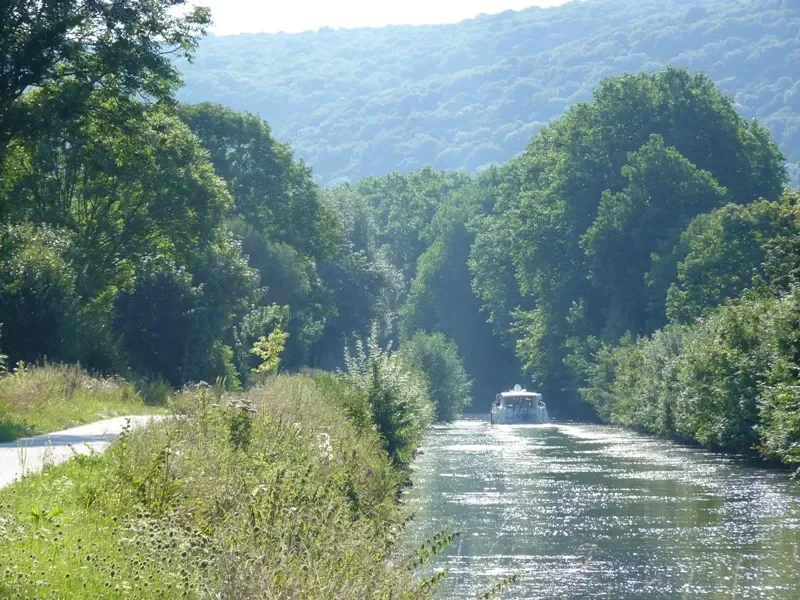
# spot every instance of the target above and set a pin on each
(31, 454)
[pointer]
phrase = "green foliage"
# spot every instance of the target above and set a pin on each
(662, 193)
(285, 226)
(254, 325)
(91, 45)
(185, 508)
(597, 206)
(352, 400)
(441, 298)
(183, 243)
(727, 381)
(436, 357)
(398, 396)
(365, 287)
(272, 191)
(500, 586)
(291, 280)
(268, 350)
(120, 186)
(365, 102)
(722, 369)
(38, 298)
(171, 322)
(420, 223)
(405, 205)
(730, 250)
(490, 262)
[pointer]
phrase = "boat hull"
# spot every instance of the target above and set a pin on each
(506, 415)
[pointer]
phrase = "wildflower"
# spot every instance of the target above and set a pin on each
(325, 447)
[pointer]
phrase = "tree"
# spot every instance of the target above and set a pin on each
(729, 250)
(175, 320)
(405, 205)
(441, 299)
(272, 191)
(364, 285)
(127, 44)
(125, 185)
(39, 306)
(268, 349)
(603, 196)
(289, 279)
(460, 96)
(664, 191)
(288, 231)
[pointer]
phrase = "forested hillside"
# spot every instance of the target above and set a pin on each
(371, 101)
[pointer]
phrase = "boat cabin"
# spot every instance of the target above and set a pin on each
(519, 406)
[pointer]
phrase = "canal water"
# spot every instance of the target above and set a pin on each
(584, 511)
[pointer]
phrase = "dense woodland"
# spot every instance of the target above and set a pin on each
(365, 102)
(639, 260)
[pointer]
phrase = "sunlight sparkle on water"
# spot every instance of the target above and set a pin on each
(582, 511)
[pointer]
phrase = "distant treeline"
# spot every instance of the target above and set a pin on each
(369, 101)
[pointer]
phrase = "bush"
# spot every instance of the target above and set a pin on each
(723, 365)
(159, 320)
(436, 357)
(729, 381)
(398, 397)
(342, 392)
(38, 301)
(779, 401)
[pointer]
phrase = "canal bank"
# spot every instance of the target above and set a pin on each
(594, 511)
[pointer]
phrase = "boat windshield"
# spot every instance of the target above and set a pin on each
(520, 401)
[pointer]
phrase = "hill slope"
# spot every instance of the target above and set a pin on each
(369, 101)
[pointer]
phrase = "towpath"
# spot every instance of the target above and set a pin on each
(29, 455)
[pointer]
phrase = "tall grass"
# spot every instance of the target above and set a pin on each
(52, 397)
(274, 494)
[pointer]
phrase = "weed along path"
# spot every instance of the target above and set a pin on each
(29, 455)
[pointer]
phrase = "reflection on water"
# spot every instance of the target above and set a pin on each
(583, 511)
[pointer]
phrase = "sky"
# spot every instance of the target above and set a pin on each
(272, 16)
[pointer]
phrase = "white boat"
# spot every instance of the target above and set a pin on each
(518, 406)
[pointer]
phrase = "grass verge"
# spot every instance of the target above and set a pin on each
(54, 397)
(275, 494)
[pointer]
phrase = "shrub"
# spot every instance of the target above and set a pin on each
(723, 365)
(268, 349)
(38, 301)
(436, 357)
(398, 398)
(779, 401)
(729, 381)
(351, 399)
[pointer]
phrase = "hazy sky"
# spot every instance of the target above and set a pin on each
(238, 16)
